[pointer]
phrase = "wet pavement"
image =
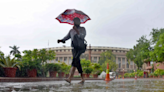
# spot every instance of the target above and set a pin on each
(117, 85)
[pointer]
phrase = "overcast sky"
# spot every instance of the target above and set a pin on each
(30, 24)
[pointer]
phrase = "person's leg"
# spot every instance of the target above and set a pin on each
(82, 78)
(73, 68)
(72, 71)
(80, 69)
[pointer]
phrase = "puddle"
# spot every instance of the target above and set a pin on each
(119, 85)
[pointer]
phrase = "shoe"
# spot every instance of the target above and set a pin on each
(67, 80)
(82, 82)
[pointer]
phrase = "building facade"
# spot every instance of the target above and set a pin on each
(92, 53)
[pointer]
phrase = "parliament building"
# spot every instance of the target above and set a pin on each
(92, 53)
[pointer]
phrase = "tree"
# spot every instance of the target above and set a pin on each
(45, 55)
(130, 55)
(18, 57)
(145, 48)
(156, 34)
(112, 65)
(158, 53)
(14, 50)
(108, 57)
(140, 51)
(157, 39)
(27, 55)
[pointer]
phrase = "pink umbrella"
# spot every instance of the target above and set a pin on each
(68, 15)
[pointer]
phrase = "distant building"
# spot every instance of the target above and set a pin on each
(149, 65)
(93, 53)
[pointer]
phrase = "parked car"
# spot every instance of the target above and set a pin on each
(112, 74)
(103, 75)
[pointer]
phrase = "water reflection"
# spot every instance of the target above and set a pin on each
(107, 85)
(126, 85)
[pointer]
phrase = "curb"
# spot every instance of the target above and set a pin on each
(20, 79)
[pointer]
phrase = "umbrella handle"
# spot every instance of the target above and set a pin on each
(75, 29)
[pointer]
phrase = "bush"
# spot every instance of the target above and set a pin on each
(85, 63)
(162, 73)
(22, 72)
(97, 71)
(133, 74)
(126, 75)
(151, 74)
(7, 61)
(96, 68)
(67, 69)
(52, 67)
(140, 74)
(88, 70)
(84, 70)
(158, 71)
(155, 74)
(32, 64)
(63, 67)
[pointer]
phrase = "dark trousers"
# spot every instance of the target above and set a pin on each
(76, 59)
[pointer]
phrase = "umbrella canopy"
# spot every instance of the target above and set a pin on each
(68, 15)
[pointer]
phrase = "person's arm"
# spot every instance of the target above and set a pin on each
(65, 38)
(83, 34)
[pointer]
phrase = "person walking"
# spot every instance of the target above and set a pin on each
(76, 31)
(144, 74)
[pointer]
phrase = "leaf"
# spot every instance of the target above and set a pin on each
(2, 65)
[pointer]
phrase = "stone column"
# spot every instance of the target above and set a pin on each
(116, 60)
(67, 60)
(125, 63)
(89, 50)
(97, 59)
(62, 59)
(121, 62)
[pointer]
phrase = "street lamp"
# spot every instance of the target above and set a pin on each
(135, 75)
(123, 73)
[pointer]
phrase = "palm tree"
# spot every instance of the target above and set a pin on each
(14, 50)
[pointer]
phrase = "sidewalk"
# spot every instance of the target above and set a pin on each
(27, 79)
(143, 78)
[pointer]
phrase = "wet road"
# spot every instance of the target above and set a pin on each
(117, 85)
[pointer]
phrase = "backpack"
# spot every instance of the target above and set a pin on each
(79, 44)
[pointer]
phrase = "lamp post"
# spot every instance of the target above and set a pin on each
(134, 71)
(135, 76)
(123, 73)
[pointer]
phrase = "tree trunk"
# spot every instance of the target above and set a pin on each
(43, 69)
